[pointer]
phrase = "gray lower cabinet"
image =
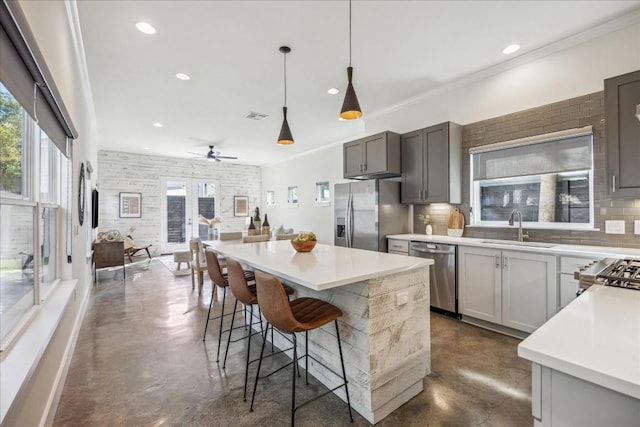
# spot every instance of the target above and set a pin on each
(509, 288)
(431, 165)
(376, 156)
(622, 98)
(398, 247)
(559, 399)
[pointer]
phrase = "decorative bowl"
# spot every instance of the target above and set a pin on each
(304, 246)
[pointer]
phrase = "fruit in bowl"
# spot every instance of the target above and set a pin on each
(304, 242)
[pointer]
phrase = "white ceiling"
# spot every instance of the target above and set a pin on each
(230, 50)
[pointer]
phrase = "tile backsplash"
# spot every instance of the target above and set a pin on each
(572, 113)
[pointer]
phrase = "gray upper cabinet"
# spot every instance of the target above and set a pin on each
(622, 97)
(376, 156)
(431, 165)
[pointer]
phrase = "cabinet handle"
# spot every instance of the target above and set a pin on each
(497, 261)
(504, 262)
(365, 167)
(360, 168)
(613, 183)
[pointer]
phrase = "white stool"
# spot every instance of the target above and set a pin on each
(183, 256)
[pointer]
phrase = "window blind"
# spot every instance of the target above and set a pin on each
(24, 73)
(545, 156)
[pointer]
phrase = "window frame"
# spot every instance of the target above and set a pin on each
(32, 197)
(475, 213)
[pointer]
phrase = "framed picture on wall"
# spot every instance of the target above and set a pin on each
(130, 205)
(240, 206)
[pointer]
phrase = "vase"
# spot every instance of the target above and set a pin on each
(428, 230)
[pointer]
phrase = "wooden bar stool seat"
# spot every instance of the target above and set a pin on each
(220, 279)
(246, 294)
(300, 315)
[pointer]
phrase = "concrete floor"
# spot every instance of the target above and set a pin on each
(140, 361)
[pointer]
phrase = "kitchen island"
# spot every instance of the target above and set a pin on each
(586, 361)
(385, 325)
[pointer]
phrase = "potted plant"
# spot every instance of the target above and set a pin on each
(427, 221)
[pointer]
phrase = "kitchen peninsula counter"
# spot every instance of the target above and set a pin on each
(385, 326)
(586, 361)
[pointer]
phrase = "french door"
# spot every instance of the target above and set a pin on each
(186, 204)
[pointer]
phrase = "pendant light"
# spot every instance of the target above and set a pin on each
(285, 137)
(350, 107)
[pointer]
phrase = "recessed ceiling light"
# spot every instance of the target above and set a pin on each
(183, 76)
(510, 49)
(158, 125)
(146, 148)
(145, 27)
(333, 91)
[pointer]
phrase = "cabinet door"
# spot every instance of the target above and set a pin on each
(479, 283)
(375, 154)
(622, 95)
(412, 167)
(436, 174)
(529, 289)
(352, 153)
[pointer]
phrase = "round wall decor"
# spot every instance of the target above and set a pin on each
(81, 195)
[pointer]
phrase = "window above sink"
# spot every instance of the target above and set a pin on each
(549, 179)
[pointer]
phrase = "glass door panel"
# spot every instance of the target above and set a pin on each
(189, 206)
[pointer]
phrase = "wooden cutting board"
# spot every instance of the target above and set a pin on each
(456, 220)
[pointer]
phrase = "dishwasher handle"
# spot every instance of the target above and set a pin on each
(431, 251)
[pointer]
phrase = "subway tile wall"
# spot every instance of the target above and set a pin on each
(571, 113)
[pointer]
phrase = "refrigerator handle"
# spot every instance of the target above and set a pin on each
(347, 221)
(351, 227)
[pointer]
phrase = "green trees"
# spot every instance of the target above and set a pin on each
(10, 143)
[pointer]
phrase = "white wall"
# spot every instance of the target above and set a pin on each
(528, 85)
(565, 74)
(304, 171)
(53, 29)
(126, 172)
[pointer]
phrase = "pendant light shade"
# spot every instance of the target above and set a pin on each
(285, 137)
(350, 107)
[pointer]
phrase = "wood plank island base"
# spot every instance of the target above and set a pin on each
(386, 341)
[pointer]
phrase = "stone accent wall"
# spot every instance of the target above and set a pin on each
(386, 347)
(126, 172)
(572, 113)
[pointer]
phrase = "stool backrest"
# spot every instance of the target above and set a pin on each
(253, 239)
(214, 270)
(238, 283)
(197, 252)
(274, 303)
(289, 236)
(230, 235)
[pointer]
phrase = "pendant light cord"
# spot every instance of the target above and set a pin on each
(285, 79)
(349, 33)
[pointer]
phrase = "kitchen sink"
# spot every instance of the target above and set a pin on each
(525, 244)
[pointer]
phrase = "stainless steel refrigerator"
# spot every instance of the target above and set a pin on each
(365, 212)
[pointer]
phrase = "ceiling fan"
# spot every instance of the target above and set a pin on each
(213, 156)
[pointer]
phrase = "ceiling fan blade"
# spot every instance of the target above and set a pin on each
(226, 157)
(196, 154)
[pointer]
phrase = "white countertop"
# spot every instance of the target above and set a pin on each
(595, 338)
(325, 267)
(547, 248)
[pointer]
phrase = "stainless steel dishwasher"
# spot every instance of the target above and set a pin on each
(442, 275)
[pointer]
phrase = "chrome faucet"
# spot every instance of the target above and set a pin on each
(521, 235)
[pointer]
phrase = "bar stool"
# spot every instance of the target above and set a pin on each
(220, 279)
(300, 315)
(246, 295)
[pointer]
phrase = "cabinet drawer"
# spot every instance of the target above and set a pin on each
(399, 246)
(569, 265)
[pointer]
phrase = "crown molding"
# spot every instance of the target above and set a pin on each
(623, 21)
